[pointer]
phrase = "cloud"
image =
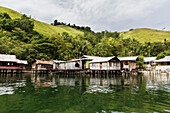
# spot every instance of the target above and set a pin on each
(112, 15)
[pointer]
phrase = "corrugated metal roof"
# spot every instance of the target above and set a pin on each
(134, 58)
(22, 62)
(166, 59)
(149, 59)
(57, 61)
(44, 62)
(8, 58)
(86, 57)
(102, 59)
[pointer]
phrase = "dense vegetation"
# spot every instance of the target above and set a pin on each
(43, 28)
(82, 28)
(18, 36)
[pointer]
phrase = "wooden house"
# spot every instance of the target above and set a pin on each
(10, 62)
(163, 64)
(42, 65)
(76, 64)
(105, 63)
(128, 63)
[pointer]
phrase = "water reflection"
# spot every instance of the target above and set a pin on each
(84, 94)
(8, 83)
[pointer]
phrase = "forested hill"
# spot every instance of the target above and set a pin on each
(43, 28)
(146, 35)
(30, 39)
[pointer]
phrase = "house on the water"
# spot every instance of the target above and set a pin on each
(149, 61)
(163, 64)
(58, 65)
(128, 63)
(42, 66)
(105, 64)
(22, 63)
(10, 62)
(76, 64)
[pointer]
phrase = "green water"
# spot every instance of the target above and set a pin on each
(90, 94)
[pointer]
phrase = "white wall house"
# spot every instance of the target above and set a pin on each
(128, 63)
(105, 63)
(149, 61)
(163, 64)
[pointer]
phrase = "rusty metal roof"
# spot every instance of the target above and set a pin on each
(44, 62)
(103, 59)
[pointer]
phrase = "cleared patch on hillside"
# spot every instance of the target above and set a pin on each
(147, 35)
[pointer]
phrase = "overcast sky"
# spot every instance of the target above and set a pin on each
(111, 15)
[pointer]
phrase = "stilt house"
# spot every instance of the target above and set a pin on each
(105, 63)
(42, 65)
(149, 61)
(76, 64)
(10, 62)
(86, 61)
(163, 64)
(58, 65)
(22, 63)
(128, 63)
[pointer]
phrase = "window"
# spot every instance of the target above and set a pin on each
(77, 65)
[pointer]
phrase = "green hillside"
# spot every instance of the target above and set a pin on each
(43, 28)
(146, 35)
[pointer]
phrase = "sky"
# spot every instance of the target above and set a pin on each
(100, 15)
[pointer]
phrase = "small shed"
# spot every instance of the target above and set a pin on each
(163, 64)
(105, 63)
(128, 63)
(42, 65)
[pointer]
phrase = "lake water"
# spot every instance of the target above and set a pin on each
(84, 94)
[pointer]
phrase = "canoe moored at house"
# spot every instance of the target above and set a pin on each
(105, 63)
(128, 63)
(163, 64)
(40, 65)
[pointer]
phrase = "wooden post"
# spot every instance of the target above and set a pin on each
(11, 71)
